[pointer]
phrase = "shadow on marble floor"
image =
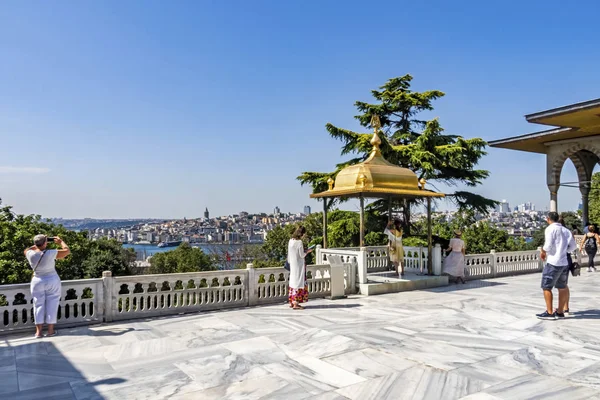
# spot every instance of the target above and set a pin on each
(38, 370)
(331, 306)
(586, 314)
(454, 286)
(107, 330)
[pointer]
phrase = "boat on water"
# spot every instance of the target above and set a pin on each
(169, 244)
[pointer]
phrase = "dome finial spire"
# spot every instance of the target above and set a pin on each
(376, 141)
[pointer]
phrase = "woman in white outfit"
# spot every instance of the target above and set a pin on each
(454, 264)
(45, 284)
(298, 287)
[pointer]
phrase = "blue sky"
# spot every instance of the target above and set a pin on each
(160, 109)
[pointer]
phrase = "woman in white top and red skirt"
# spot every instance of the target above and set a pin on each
(454, 264)
(298, 286)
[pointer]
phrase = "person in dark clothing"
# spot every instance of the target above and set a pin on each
(590, 244)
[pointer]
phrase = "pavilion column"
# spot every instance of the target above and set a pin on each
(362, 221)
(429, 239)
(324, 222)
(553, 197)
(585, 203)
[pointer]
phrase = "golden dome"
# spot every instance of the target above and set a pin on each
(376, 177)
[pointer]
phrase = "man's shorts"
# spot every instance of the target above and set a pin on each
(554, 276)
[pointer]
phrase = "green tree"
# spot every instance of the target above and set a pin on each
(276, 243)
(184, 258)
(258, 257)
(594, 199)
(107, 255)
(87, 260)
(572, 220)
(483, 237)
(413, 143)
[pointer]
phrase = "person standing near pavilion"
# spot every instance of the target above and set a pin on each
(558, 242)
(298, 287)
(454, 264)
(394, 234)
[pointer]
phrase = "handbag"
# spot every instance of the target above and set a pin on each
(574, 267)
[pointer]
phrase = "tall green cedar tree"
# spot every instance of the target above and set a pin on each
(413, 143)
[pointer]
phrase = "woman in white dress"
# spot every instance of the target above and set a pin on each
(298, 287)
(454, 264)
(394, 234)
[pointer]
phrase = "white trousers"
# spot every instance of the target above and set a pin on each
(45, 291)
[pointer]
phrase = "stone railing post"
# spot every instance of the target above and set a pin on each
(251, 285)
(318, 257)
(437, 259)
(493, 262)
(541, 263)
(361, 261)
(336, 274)
(108, 287)
(421, 259)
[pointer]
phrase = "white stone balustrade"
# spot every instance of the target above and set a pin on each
(495, 265)
(153, 295)
(111, 298)
(82, 302)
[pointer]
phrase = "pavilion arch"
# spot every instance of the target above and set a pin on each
(575, 135)
(584, 157)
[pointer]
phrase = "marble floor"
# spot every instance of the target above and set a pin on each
(479, 341)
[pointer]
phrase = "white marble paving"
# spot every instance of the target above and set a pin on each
(479, 341)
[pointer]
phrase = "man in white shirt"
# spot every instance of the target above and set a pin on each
(557, 243)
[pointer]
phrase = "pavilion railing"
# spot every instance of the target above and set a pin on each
(372, 259)
(377, 257)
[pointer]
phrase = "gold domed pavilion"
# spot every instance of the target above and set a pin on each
(376, 178)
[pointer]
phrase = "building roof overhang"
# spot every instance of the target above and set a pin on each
(572, 122)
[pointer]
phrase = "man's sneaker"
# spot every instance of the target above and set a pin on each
(559, 315)
(546, 315)
(589, 269)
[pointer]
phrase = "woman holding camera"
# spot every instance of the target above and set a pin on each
(45, 284)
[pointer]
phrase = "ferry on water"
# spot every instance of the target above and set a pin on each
(169, 244)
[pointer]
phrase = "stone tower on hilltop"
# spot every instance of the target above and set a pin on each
(206, 213)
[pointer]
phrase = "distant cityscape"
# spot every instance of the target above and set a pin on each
(232, 229)
(244, 228)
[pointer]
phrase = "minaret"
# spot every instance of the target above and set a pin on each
(206, 213)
